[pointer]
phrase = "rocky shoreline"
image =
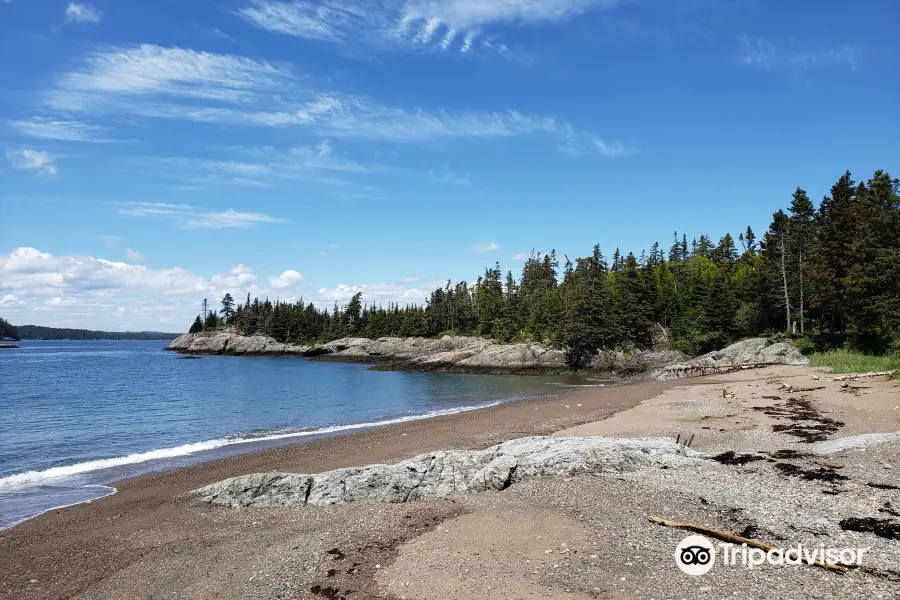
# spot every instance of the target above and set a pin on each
(466, 354)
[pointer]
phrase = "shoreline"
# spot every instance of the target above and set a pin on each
(153, 499)
(163, 460)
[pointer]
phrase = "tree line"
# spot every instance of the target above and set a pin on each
(37, 332)
(7, 330)
(828, 276)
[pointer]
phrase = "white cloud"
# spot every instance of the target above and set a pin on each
(50, 129)
(433, 24)
(31, 270)
(238, 277)
(383, 293)
(757, 51)
(185, 215)
(229, 219)
(174, 83)
(486, 247)
(36, 160)
(11, 300)
(521, 256)
(329, 21)
(155, 209)
(149, 70)
(259, 167)
(87, 292)
(445, 176)
(288, 279)
(133, 254)
(82, 13)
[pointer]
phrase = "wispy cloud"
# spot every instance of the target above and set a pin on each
(228, 219)
(132, 254)
(445, 176)
(117, 75)
(51, 129)
(439, 25)
(258, 166)
(173, 83)
(330, 21)
(184, 215)
(82, 13)
(35, 160)
(489, 247)
(758, 51)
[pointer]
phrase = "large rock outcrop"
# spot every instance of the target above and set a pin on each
(442, 473)
(230, 342)
(467, 354)
(744, 354)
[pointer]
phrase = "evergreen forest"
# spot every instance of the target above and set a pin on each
(827, 276)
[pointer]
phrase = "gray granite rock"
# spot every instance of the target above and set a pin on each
(442, 473)
(230, 342)
(743, 354)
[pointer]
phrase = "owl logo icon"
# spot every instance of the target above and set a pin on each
(695, 555)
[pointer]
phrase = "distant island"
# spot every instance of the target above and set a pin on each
(36, 332)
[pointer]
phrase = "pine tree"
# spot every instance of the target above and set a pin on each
(800, 224)
(836, 229)
(872, 286)
(227, 308)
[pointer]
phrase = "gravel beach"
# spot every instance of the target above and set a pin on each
(771, 471)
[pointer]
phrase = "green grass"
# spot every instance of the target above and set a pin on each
(847, 361)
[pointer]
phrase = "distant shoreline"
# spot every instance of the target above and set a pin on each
(37, 333)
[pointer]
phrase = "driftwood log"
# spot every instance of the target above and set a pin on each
(735, 539)
(861, 375)
(702, 370)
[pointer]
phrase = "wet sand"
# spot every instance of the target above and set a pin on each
(145, 542)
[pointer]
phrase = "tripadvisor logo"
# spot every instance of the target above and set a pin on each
(696, 555)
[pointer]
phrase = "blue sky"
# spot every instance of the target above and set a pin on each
(152, 154)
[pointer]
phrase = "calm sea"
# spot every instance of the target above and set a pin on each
(77, 416)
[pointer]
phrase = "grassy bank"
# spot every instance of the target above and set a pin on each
(847, 361)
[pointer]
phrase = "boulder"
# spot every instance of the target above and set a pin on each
(744, 354)
(442, 473)
(230, 342)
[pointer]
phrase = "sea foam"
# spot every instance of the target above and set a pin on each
(39, 477)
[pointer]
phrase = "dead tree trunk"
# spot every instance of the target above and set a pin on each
(802, 323)
(787, 298)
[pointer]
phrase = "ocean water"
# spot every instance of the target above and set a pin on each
(75, 417)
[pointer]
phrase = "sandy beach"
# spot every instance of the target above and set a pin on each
(586, 536)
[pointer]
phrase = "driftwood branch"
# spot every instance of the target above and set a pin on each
(735, 539)
(861, 375)
(702, 370)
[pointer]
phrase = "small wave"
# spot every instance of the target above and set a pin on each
(580, 385)
(37, 477)
(107, 491)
